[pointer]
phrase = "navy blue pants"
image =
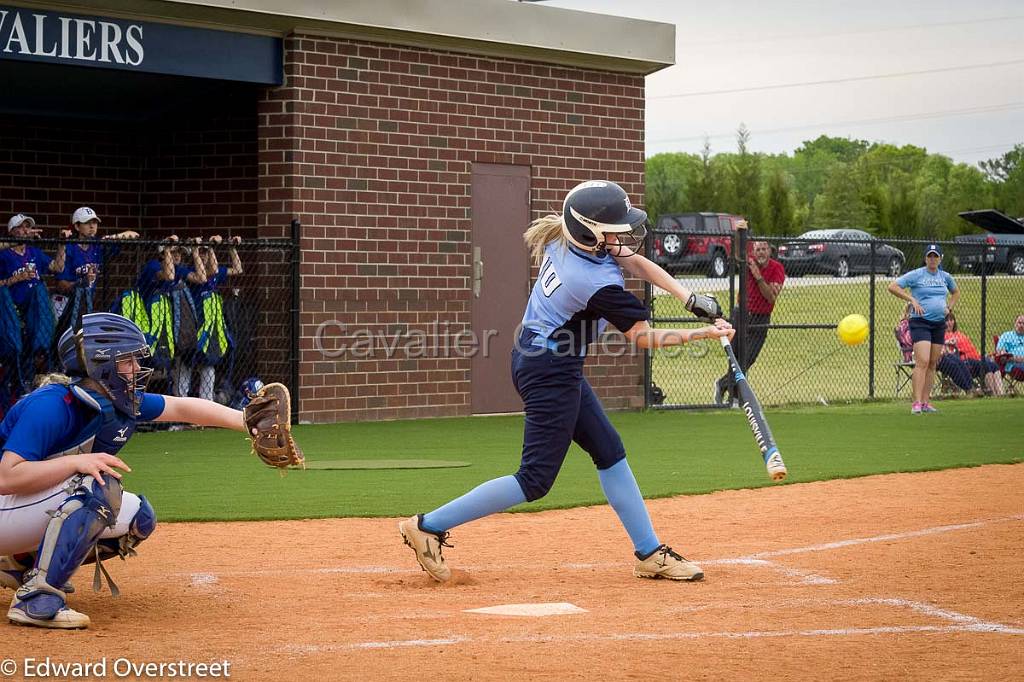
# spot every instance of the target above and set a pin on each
(560, 408)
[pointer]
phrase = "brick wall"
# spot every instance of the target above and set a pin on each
(372, 147)
(200, 174)
(51, 166)
(193, 174)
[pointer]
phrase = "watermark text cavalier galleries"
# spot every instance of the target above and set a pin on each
(102, 668)
(334, 339)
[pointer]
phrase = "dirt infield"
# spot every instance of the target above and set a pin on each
(909, 576)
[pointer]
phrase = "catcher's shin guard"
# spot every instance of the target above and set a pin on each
(140, 527)
(75, 527)
(72, 532)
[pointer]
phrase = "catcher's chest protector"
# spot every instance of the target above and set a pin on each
(108, 431)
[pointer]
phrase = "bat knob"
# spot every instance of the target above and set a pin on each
(776, 467)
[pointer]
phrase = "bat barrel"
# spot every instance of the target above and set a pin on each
(755, 417)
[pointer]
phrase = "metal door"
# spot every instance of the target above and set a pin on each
(501, 279)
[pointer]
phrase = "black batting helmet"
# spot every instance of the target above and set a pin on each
(596, 208)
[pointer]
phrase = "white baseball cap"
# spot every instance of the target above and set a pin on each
(18, 220)
(84, 215)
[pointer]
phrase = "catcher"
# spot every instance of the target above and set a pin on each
(61, 499)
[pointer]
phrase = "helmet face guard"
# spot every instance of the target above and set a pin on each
(129, 386)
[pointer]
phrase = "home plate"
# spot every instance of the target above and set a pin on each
(544, 609)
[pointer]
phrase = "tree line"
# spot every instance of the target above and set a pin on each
(837, 182)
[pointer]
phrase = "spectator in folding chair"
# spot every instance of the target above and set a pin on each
(983, 369)
(951, 367)
(1010, 352)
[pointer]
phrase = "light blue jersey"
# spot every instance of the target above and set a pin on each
(576, 295)
(1013, 343)
(930, 291)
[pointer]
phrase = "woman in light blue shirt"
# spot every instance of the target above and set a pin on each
(929, 287)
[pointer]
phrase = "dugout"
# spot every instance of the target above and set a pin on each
(413, 140)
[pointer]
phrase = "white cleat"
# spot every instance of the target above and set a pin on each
(665, 563)
(53, 614)
(427, 546)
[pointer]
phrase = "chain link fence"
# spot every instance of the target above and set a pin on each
(829, 274)
(218, 316)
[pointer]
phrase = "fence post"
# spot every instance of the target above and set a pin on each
(649, 300)
(871, 326)
(984, 304)
(293, 359)
(731, 274)
(740, 318)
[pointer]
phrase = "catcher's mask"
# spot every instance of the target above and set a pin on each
(594, 210)
(111, 350)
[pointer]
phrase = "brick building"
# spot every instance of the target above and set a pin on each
(413, 140)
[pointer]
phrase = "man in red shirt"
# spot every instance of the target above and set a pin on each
(765, 277)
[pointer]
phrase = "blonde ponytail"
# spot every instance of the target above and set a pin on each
(542, 232)
(51, 378)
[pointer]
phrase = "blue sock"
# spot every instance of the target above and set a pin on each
(623, 495)
(487, 498)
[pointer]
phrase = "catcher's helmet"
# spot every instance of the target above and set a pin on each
(95, 350)
(597, 208)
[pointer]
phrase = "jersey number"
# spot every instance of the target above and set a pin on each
(548, 278)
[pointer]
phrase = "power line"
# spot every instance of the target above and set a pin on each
(994, 108)
(832, 81)
(890, 29)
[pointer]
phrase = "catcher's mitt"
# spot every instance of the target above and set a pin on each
(268, 421)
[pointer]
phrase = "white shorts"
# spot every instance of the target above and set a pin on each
(23, 518)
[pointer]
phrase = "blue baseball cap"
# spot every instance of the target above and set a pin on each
(934, 248)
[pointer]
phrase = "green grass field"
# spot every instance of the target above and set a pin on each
(210, 475)
(837, 373)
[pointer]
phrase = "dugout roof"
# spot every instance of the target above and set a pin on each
(487, 27)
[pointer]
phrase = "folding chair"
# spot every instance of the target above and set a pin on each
(1013, 381)
(905, 367)
(904, 374)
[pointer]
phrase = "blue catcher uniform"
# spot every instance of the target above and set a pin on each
(577, 293)
(77, 517)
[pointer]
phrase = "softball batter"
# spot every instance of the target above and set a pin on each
(61, 500)
(580, 289)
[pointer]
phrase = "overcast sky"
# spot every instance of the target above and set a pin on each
(968, 114)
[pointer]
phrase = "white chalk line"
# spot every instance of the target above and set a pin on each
(757, 559)
(390, 644)
(627, 637)
(884, 538)
(958, 622)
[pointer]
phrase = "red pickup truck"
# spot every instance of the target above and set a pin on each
(686, 242)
